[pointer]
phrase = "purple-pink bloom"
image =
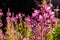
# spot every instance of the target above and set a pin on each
(1, 14)
(8, 19)
(45, 15)
(36, 13)
(9, 14)
(27, 19)
(16, 17)
(43, 7)
(47, 25)
(56, 10)
(52, 17)
(20, 16)
(13, 19)
(47, 8)
(40, 18)
(48, 21)
(51, 14)
(53, 22)
(25, 38)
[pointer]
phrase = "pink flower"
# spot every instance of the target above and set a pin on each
(13, 19)
(1, 14)
(40, 18)
(48, 21)
(43, 7)
(52, 17)
(47, 25)
(54, 22)
(51, 14)
(27, 19)
(16, 16)
(8, 19)
(20, 16)
(47, 8)
(46, 15)
(56, 10)
(34, 15)
(36, 12)
(9, 14)
(25, 38)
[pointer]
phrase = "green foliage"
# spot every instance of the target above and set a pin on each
(57, 33)
(49, 36)
(31, 35)
(9, 37)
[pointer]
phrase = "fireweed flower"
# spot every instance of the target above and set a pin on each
(36, 13)
(47, 25)
(1, 35)
(9, 14)
(52, 13)
(53, 21)
(1, 14)
(25, 38)
(13, 19)
(16, 17)
(33, 21)
(40, 18)
(52, 17)
(45, 15)
(47, 8)
(27, 19)
(20, 16)
(43, 8)
(48, 21)
(8, 19)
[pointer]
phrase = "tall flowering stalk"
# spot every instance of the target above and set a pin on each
(11, 33)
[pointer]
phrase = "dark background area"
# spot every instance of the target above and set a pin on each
(16, 6)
